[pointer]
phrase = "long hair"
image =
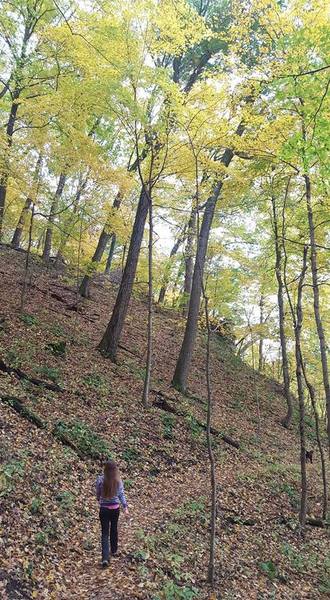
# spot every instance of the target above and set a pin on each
(111, 480)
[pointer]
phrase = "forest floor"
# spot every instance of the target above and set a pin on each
(50, 545)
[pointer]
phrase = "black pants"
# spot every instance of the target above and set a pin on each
(109, 523)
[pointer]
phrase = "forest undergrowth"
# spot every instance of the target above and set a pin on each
(54, 437)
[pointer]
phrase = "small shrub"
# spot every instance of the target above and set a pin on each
(83, 438)
(41, 538)
(36, 506)
(131, 455)
(172, 591)
(57, 329)
(13, 358)
(57, 348)
(94, 380)
(168, 426)
(10, 473)
(270, 569)
(29, 319)
(292, 495)
(194, 426)
(50, 373)
(65, 498)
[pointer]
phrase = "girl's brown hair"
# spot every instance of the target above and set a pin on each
(111, 479)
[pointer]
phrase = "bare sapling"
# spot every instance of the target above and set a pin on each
(211, 565)
(146, 387)
(27, 260)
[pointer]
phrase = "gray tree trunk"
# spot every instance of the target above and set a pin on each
(51, 219)
(286, 421)
(316, 296)
(17, 236)
(185, 356)
(110, 340)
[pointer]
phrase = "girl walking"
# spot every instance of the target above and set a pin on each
(110, 494)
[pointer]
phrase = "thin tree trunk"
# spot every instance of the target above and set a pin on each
(51, 219)
(298, 327)
(109, 343)
(101, 246)
(27, 262)
(80, 189)
(286, 421)
(167, 273)
(30, 23)
(97, 256)
(17, 236)
(111, 253)
(319, 443)
(210, 573)
(185, 356)
(261, 341)
(189, 257)
(146, 387)
(316, 296)
(297, 317)
(9, 141)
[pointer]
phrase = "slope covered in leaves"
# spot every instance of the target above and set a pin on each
(51, 453)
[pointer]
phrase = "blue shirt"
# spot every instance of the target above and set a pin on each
(119, 497)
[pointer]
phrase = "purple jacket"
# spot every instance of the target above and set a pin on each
(120, 496)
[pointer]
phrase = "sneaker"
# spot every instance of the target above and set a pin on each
(105, 564)
(115, 554)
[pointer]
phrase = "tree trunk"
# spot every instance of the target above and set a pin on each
(9, 141)
(101, 246)
(210, 574)
(17, 236)
(261, 341)
(27, 262)
(72, 222)
(51, 218)
(109, 343)
(111, 253)
(97, 256)
(319, 443)
(189, 257)
(299, 376)
(146, 387)
(185, 356)
(286, 421)
(167, 272)
(316, 296)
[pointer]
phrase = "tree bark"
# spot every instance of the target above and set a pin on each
(316, 297)
(286, 421)
(189, 257)
(109, 343)
(299, 376)
(146, 387)
(17, 236)
(5, 174)
(318, 440)
(185, 356)
(84, 289)
(51, 219)
(72, 222)
(261, 340)
(27, 261)
(111, 253)
(210, 573)
(31, 21)
(167, 272)
(101, 246)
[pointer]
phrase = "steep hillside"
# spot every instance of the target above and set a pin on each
(52, 441)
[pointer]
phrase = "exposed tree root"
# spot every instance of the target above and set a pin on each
(164, 404)
(21, 375)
